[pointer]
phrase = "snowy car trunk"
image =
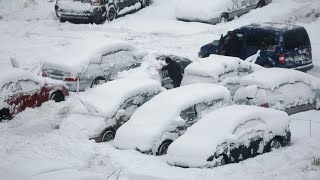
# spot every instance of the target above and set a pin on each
(283, 89)
(167, 115)
(233, 125)
(112, 104)
(218, 69)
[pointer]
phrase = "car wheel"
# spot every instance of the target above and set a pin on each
(112, 13)
(275, 143)
(261, 4)
(4, 114)
(108, 135)
(57, 96)
(61, 19)
(266, 65)
(98, 81)
(223, 160)
(163, 148)
(223, 18)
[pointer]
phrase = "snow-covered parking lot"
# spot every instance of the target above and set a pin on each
(39, 144)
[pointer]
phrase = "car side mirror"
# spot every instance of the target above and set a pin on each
(121, 114)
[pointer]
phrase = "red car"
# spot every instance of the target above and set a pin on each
(20, 89)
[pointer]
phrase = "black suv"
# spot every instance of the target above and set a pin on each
(280, 45)
(96, 11)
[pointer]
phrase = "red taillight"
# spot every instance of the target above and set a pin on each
(266, 105)
(281, 59)
(72, 79)
(96, 2)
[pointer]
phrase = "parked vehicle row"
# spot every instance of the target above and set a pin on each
(96, 11)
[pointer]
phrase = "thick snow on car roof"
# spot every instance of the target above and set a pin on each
(201, 140)
(272, 78)
(107, 98)
(78, 55)
(201, 9)
(156, 116)
(215, 65)
(16, 74)
(272, 26)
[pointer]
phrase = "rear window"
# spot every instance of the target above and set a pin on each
(296, 39)
(261, 40)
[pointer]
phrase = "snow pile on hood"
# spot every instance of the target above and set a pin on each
(202, 9)
(201, 140)
(75, 57)
(162, 114)
(216, 68)
(272, 78)
(107, 98)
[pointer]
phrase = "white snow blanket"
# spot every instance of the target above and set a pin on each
(90, 52)
(216, 68)
(202, 9)
(162, 114)
(201, 140)
(107, 98)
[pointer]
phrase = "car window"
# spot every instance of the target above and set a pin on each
(247, 125)
(189, 115)
(10, 88)
(131, 104)
(261, 40)
(119, 60)
(296, 39)
(28, 85)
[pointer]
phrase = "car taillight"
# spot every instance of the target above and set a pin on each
(96, 2)
(266, 105)
(71, 78)
(282, 59)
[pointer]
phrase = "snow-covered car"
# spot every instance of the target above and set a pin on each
(217, 69)
(215, 11)
(20, 89)
(230, 134)
(105, 108)
(164, 118)
(288, 90)
(86, 65)
(96, 11)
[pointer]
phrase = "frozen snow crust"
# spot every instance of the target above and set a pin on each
(216, 68)
(162, 114)
(201, 140)
(107, 98)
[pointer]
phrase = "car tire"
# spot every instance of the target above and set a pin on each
(163, 148)
(57, 96)
(224, 160)
(108, 135)
(275, 143)
(98, 81)
(112, 13)
(62, 20)
(4, 114)
(223, 18)
(266, 65)
(261, 3)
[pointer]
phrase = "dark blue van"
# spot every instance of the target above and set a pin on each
(280, 45)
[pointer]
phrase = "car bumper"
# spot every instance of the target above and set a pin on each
(80, 15)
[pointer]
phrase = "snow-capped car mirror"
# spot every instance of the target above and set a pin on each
(121, 113)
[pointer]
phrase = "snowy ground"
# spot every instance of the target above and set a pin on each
(32, 145)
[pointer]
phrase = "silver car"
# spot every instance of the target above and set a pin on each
(215, 11)
(101, 66)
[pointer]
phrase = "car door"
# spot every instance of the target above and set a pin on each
(252, 4)
(250, 140)
(238, 8)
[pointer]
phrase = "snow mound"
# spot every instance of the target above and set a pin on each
(107, 98)
(274, 77)
(201, 140)
(162, 114)
(216, 68)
